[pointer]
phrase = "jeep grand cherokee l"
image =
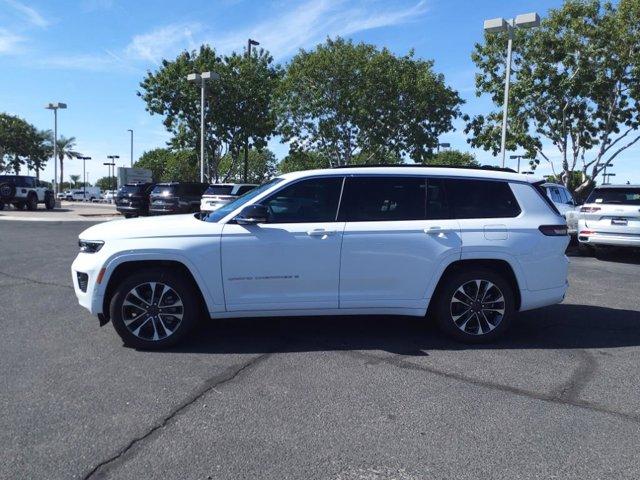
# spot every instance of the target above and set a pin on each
(469, 246)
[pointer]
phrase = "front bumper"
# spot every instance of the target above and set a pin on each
(91, 298)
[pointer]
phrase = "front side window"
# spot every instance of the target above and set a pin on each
(375, 199)
(481, 199)
(312, 200)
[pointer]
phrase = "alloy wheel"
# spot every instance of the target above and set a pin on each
(477, 307)
(152, 311)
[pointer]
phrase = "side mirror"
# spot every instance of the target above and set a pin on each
(252, 214)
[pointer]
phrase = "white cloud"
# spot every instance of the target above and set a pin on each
(10, 43)
(162, 42)
(30, 13)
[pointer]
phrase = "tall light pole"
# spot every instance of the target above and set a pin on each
(84, 176)
(202, 78)
(513, 157)
(131, 132)
(55, 106)
(250, 43)
(526, 20)
(443, 145)
(112, 166)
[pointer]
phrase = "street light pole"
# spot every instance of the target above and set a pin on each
(443, 145)
(526, 20)
(250, 42)
(202, 78)
(112, 164)
(84, 176)
(55, 106)
(513, 157)
(131, 132)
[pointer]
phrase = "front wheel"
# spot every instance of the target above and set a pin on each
(475, 306)
(154, 309)
(50, 202)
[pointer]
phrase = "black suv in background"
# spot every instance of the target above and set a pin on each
(133, 199)
(176, 197)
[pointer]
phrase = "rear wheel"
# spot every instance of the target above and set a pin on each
(154, 309)
(475, 306)
(1, 205)
(32, 202)
(50, 202)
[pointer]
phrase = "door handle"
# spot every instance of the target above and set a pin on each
(320, 232)
(436, 230)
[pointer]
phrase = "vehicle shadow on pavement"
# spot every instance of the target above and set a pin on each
(617, 255)
(556, 327)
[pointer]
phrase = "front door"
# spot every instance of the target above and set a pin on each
(293, 260)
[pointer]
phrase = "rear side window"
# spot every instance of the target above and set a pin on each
(616, 196)
(219, 190)
(312, 200)
(376, 199)
(481, 199)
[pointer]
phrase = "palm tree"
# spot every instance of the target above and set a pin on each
(66, 150)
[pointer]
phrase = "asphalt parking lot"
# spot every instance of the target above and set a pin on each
(322, 398)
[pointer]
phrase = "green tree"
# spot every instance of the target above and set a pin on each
(75, 179)
(453, 158)
(21, 144)
(238, 103)
(342, 99)
(574, 86)
(155, 160)
(298, 160)
(66, 148)
(105, 183)
(181, 166)
(262, 167)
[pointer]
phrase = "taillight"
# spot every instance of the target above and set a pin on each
(554, 230)
(590, 209)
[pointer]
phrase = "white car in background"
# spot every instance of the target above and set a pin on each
(109, 196)
(564, 202)
(469, 246)
(88, 194)
(220, 194)
(610, 217)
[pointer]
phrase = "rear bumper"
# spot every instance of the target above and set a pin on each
(629, 240)
(129, 209)
(541, 298)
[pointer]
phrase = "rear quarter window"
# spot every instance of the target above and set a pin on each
(481, 199)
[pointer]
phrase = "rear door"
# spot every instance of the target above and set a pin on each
(398, 232)
(613, 210)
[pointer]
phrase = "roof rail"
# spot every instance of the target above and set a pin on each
(420, 165)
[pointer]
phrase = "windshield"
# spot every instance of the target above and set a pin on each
(225, 210)
(219, 190)
(622, 196)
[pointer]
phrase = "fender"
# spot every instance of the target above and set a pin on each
(214, 300)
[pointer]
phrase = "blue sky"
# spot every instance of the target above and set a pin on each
(92, 54)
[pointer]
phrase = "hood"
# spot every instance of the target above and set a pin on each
(151, 227)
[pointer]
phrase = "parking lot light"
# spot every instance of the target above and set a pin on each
(55, 106)
(494, 25)
(202, 79)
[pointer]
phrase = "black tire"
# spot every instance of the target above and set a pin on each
(182, 288)
(50, 202)
(1, 205)
(20, 205)
(7, 191)
(32, 202)
(467, 327)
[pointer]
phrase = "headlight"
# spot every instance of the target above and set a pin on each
(90, 246)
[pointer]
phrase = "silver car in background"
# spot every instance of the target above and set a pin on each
(610, 217)
(220, 194)
(564, 202)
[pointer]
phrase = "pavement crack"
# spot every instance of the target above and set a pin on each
(558, 397)
(102, 469)
(31, 280)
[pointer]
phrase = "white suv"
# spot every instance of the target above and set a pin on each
(220, 194)
(469, 246)
(610, 217)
